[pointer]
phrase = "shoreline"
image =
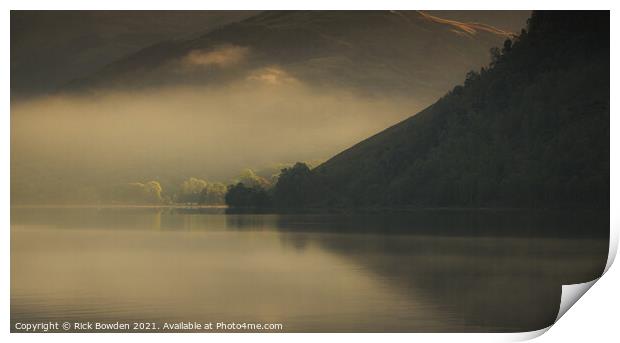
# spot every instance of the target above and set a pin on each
(308, 210)
(121, 206)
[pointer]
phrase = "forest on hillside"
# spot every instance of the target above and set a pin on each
(530, 130)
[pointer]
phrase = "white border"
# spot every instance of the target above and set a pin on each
(594, 317)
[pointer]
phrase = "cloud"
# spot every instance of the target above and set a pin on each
(272, 76)
(221, 57)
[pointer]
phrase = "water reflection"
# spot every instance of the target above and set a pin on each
(413, 271)
(495, 270)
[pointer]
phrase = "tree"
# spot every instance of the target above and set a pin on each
(507, 46)
(249, 178)
(496, 55)
(140, 193)
(241, 196)
(294, 187)
(471, 77)
(191, 190)
(213, 194)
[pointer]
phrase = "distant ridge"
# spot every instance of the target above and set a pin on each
(377, 52)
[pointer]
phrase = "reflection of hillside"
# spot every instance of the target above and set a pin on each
(499, 284)
(496, 281)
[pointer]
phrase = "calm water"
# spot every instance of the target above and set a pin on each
(417, 271)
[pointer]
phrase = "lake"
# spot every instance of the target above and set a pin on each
(416, 271)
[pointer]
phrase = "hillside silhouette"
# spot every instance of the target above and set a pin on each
(530, 130)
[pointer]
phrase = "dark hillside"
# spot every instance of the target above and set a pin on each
(531, 130)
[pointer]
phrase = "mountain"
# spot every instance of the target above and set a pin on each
(405, 52)
(531, 130)
(51, 48)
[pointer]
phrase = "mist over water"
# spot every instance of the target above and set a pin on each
(424, 271)
(63, 145)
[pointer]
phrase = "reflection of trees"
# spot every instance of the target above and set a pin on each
(156, 224)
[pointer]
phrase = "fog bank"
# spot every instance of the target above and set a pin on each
(68, 144)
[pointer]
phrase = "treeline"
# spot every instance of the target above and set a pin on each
(250, 189)
(191, 191)
(529, 130)
(290, 190)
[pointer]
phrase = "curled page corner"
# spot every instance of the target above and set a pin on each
(526, 336)
(572, 293)
(613, 247)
